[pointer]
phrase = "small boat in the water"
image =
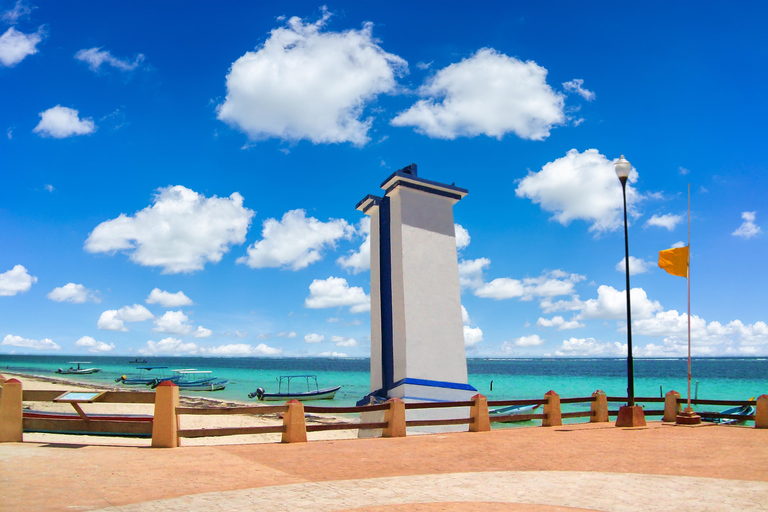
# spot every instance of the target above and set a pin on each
(517, 412)
(79, 370)
(147, 376)
(747, 411)
(306, 394)
(138, 361)
(198, 380)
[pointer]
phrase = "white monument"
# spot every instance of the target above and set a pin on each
(417, 335)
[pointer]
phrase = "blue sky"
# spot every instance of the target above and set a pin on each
(181, 178)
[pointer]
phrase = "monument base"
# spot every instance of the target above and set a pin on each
(425, 391)
(630, 416)
(688, 418)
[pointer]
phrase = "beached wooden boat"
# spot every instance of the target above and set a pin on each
(78, 370)
(747, 411)
(145, 377)
(516, 412)
(305, 394)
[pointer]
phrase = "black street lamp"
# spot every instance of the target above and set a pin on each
(630, 415)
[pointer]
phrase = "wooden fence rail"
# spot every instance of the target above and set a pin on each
(163, 425)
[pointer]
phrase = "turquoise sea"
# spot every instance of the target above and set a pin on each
(717, 378)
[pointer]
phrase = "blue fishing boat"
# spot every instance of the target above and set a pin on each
(199, 380)
(515, 412)
(746, 411)
(147, 376)
(306, 394)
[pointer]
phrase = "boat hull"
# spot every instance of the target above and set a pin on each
(322, 394)
(514, 413)
(214, 385)
(84, 371)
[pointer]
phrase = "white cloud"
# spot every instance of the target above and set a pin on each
(168, 299)
(360, 260)
(489, 94)
(314, 338)
(528, 341)
(286, 334)
(332, 354)
(472, 336)
(559, 322)
(748, 228)
(50, 188)
(577, 85)
(242, 349)
(173, 322)
(202, 332)
(471, 272)
(20, 10)
(113, 320)
(465, 316)
(336, 292)
(71, 292)
(612, 304)
(580, 186)
(171, 346)
(342, 341)
(15, 46)
(18, 341)
(583, 347)
(180, 232)
(549, 284)
(295, 241)
(668, 221)
(501, 288)
(16, 280)
(94, 346)
(636, 266)
(462, 236)
(95, 57)
(305, 83)
(61, 122)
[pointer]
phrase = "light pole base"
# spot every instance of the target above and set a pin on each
(688, 418)
(630, 416)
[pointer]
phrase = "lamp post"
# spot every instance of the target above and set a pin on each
(630, 415)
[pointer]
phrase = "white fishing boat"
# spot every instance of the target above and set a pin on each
(307, 393)
(78, 370)
(199, 380)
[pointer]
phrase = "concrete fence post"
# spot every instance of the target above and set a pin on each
(671, 407)
(395, 418)
(599, 407)
(294, 423)
(552, 412)
(478, 413)
(11, 415)
(165, 424)
(761, 412)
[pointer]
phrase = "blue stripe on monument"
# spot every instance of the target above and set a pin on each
(385, 266)
(433, 383)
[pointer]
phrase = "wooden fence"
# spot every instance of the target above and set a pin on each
(163, 425)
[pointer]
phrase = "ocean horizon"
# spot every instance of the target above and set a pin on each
(720, 378)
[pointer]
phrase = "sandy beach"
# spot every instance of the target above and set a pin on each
(187, 421)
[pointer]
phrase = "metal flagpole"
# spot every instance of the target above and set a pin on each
(689, 298)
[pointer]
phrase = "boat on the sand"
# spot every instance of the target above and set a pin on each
(306, 393)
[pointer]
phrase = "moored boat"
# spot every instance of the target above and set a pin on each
(138, 361)
(145, 377)
(78, 370)
(308, 394)
(198, 380)
(515, 412)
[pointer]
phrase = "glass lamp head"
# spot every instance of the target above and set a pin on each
(622, 167)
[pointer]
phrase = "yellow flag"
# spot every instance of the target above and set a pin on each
(675, 261)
